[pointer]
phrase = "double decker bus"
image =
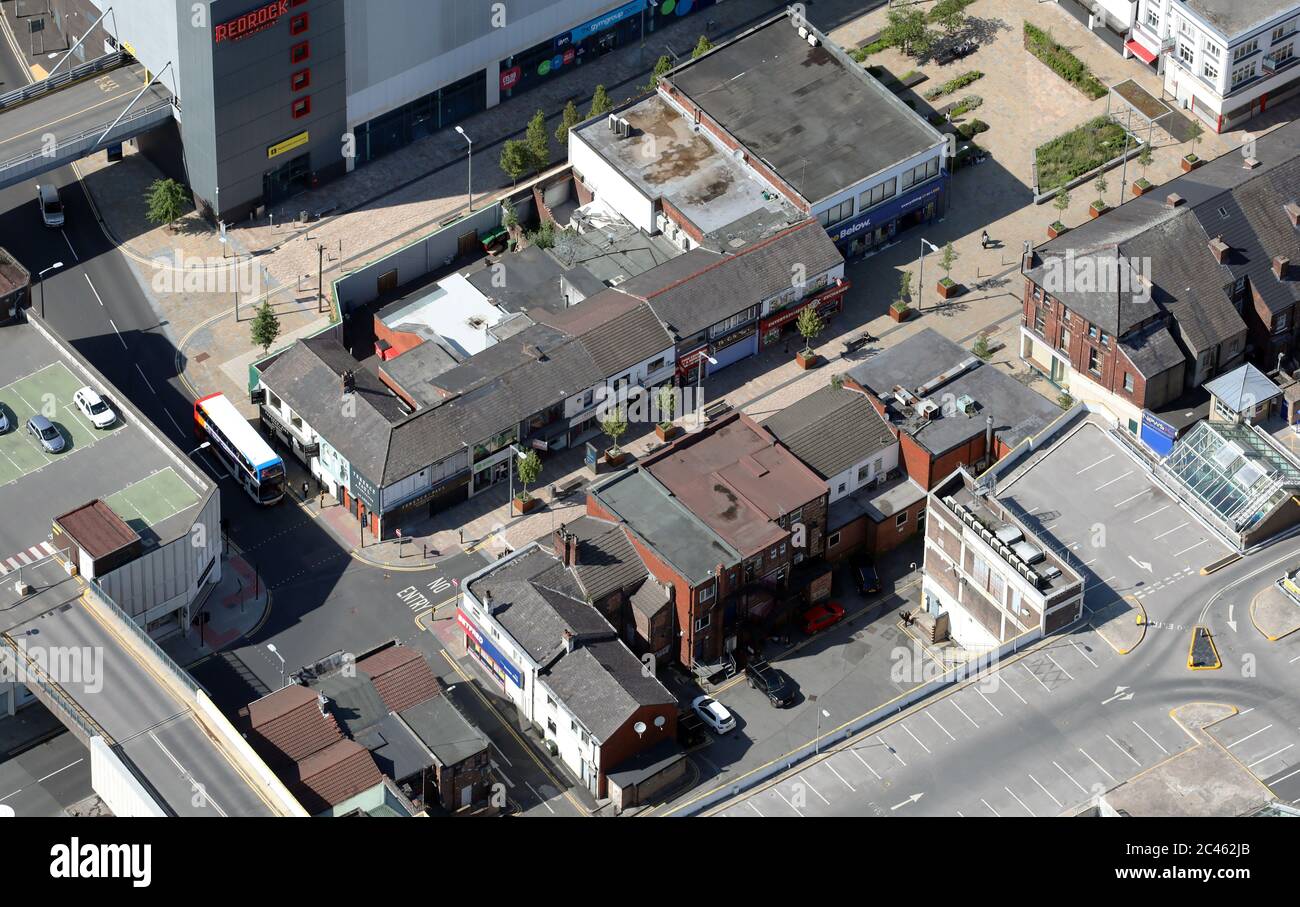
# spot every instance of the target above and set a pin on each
(246, 454)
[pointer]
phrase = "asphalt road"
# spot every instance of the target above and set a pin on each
(46, 779)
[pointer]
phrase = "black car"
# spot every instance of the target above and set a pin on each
(772, 682)
(866, 577)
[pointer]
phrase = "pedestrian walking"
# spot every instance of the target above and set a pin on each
(984, 239)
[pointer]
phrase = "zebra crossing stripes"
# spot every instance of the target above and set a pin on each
(28, 556)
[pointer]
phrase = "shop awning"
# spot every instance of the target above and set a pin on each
(1140, 51)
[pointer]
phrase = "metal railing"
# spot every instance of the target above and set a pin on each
(55, 82)
(59, 698)
(97, 130)
(138, 632)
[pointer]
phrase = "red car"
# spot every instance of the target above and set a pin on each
(819, 617)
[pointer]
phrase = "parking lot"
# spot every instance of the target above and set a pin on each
(1091, 497)
(1009, 744)
(121, 465)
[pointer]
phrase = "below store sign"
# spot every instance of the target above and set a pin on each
(250, 23)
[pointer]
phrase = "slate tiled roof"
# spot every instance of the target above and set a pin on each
(444, 730)
(831, 429)
(606, 559)
(1152, 350)
(732, 283)
(401, 675)
(604, 684)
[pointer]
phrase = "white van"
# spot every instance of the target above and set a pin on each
(47, 196)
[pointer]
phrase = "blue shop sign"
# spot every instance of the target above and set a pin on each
(481, 640)
(1158, 425)
(883, 214)
(609, 20)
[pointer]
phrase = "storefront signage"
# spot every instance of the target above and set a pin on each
(289, 144)
(1159, 426)
(888, 212)
(503, 663)
(250, 23)
(735, 338)
(688, 361)
(609, 20)
(364, 490)
(510, 78)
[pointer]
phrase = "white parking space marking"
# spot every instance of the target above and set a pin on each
(1036, 677)
(1122, 475)
(1099, 765)
(1124, 751)
(991, 705)
(1169, 531)
(1152, 739)
(1083, 790)
(916, 738)
(1271, 755)
(991, 809)
(893, 752)
(939, 726)
(804, 778)
(1098, 463)
(1248, 736)
(1132, 497)
(963, 712)
(855, 752)
(1083, 653)
(1189, 548)
(1151, 514)
(1058, 666)
(755, 808)
(1018, 800)
(841, 777)
(787, 802)
(1058, 803)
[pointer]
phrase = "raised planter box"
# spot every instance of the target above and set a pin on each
(615, 459)
(948, 288)
(806, 360)
(666, 431)
(521, 506)
(1056, 229)
(1190, 162)
(1140, 190)
(1095, 210)
(900, 315)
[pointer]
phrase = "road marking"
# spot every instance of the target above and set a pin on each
(500, 753)
(205, 797)
(866, 763)
(1189, 548)
(1058, 665)
(1152, 739)
(174, 422)
(1059, 804)
(1151, 514)
(142, 374)
(1271, 755)
(1071, 777)
(1285, 777)
(1124, 751)
(1098, 463)
(893, 751)
(1294, 660)
(941, 727)
(1133, 498)
(72, 250)
(916, 738)
(541, 798)
(963, 712)
(991, 809)
(1018, 800)
(96, 292)
(119, 337)
(1084, 654)
(1114, 480)
(1248, 736)
(57, 770)
(501, 772)
(1098, 764)
(814, 790)
(755, 809)
(991, 705)
(1036, 677)
(1169, 531)
(841, 777)
(788, 803)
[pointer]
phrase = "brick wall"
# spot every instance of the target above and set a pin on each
(626, 742)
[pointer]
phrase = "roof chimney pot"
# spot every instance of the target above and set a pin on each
(1173, 200)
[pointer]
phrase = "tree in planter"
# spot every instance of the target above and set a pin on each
(667, 406)
(809, 324)
(167, 201)
(529, 467)
(1102, 186)
(662, 65)
(1144, 158)
(538, 142)
(600, 103)
(568, 119)
(946, 260)
(1064, 400)
(702, 47)
(614, 425)
(265, 327)
(1061, 204)
(515, 159)
(904, 295)
(982, 348)
(1195, 132)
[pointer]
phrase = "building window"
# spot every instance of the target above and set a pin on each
(842, 488)
(706, 594)
(1210, 71)
(657, 364)
(298, 24)
(837, 213)
(832, 540)
(1185, 53)
(1128, 383)
(1105, 339)
(864, 472)
(300, 52)
(1153, 16)
(1094, 361)
(901, 520)
(301, 107)
(701, 624)
(1245, 50)
(550, 702)
(550, 726)
(300, 80)
(1213, 51)
(877, 194)
(1092, 331)
(1281, 32)
(1282, 54)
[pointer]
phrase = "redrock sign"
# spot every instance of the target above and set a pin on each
(251, 22)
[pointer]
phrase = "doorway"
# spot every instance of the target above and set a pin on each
(287, 180)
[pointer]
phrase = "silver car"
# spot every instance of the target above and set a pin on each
(44, 431)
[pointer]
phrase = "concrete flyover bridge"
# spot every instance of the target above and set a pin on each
(159, 747)
(75, 112)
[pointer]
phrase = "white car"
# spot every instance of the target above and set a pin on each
(4, 422)
(714, 714)
(94, 408)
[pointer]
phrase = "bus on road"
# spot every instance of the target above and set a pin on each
(246, 454)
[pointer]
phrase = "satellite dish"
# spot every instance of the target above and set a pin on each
(639, 727)
(659, 721)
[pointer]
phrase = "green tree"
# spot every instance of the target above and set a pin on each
(982, 347)
(906, 30)
(1195, 132)
(600, 103)
(1064, 400)
(904, 287)
(614, 424)
(544, 236)
(515, 159)
(529, 467)
(538, 142)
(662, 66)
(1061, 203)
(702, 47)
(1102, 186)
(1144, 158)
(946, 260)
(810, 324)
(568, 119)
(266, 326)
(167, 200)
(509, 216)
(837, 381)
(949, 15)
(667, 405)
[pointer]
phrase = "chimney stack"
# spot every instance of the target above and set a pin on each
(1293, 213)
(570, 642)
(1219, 249)
(1281, 266)
(988, 438)
(1173, 200)
(566, 546)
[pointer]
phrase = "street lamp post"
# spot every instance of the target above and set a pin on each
(817, 740)
(40, 279)
(652, 5)
(470, 161)
(920, 277)
(699, 380)
(270, 647)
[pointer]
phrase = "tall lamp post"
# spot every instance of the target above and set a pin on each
(817, 740)
(470, 161)
(40, 278)
(699, 380)
(270, 647)
(920, 277)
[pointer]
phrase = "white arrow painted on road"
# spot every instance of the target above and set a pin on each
(1232, 623)
(1145, 565)
(1120, 695)
(908, 801)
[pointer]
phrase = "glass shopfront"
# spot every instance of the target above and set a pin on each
(436, 110)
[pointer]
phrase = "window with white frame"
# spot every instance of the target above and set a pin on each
(1185, 53)
(1245, 50)
(1243, 74)
(1186, 28)
(1153, 17)
(837, 213)
(1213, 51)
(1283, 53)
(706, 594)
(877, 194)
(1210, 71)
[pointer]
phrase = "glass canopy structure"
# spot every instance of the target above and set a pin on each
(1235, 470)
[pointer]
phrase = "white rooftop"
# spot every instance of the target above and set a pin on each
(453, 310)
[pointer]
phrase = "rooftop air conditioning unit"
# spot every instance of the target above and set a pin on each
(1009, 535)
(1027, 552)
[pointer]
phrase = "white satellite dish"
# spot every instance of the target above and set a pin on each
(639, 727)
(659, 721)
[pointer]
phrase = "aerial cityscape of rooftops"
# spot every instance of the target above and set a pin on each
(657, 408)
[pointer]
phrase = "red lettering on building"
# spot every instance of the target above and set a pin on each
(251, 22)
